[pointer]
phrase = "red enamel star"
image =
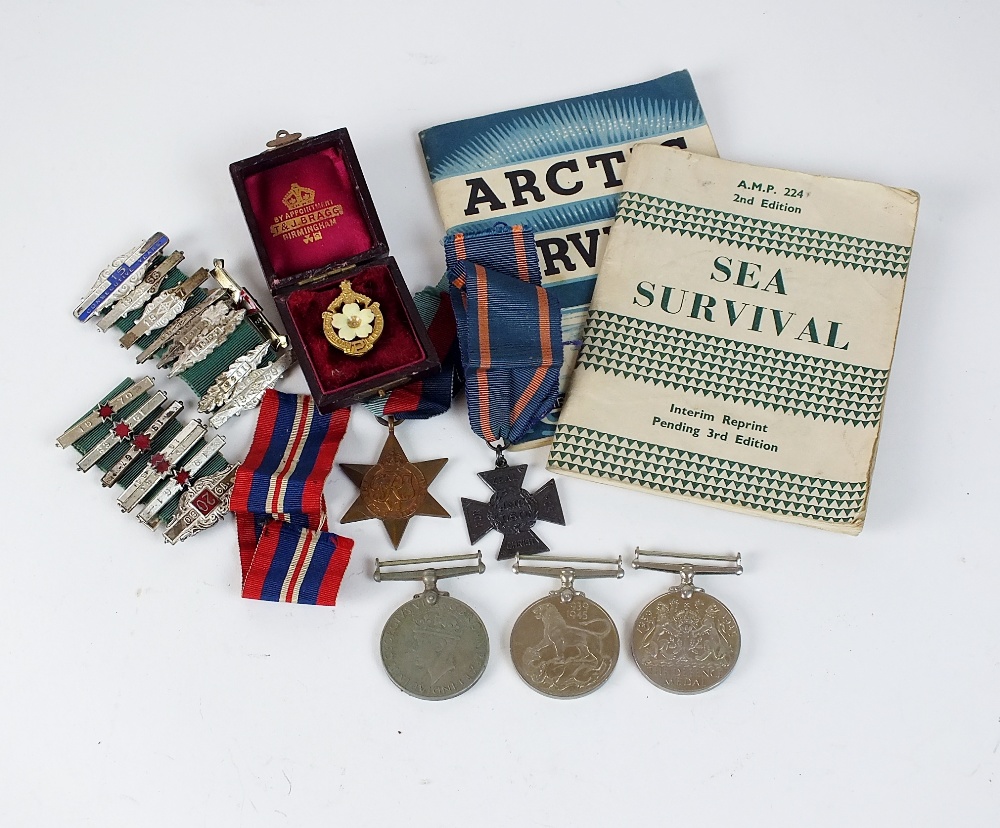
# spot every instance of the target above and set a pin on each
(141, 441)
(122, 430)
(105, 411)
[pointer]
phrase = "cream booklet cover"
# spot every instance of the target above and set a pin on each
(740, 337)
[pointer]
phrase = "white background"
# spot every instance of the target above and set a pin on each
(139, 689)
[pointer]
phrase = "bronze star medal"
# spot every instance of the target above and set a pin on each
(393, 490)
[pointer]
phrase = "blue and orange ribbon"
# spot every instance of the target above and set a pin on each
(509, 331)
(286, 554)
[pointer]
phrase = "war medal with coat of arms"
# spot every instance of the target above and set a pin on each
(686, 641)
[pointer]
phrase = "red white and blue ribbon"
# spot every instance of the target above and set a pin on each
(509, 331)
(431, 395)
(297, 566)
(286, 554)
(290, 457)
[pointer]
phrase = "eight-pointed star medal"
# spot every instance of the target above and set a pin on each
(393, 490)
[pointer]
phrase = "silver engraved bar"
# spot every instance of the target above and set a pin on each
(205, 344)
(121, 430)
(222, 389)
(136, 449)
(172, 454)
(250, 390)
(95, 418)
(194, 464)
(174, 328)
(241, 297)
(142, 292)
(120, 276)
(202, 505)
(209, 318)
(163, 308)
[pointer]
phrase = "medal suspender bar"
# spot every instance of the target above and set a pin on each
(565, 645)
(703, 634)
(433, 646)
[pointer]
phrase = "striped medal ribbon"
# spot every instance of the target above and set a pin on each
(509, 331)
(431, 395)
(286, 554)
(393, 489)
(510, 339)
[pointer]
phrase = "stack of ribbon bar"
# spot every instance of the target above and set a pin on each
(174, 472)
(286, 554)
(216, 339)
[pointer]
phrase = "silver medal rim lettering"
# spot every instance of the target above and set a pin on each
(641, 631)
(524, 638)
(401, 624)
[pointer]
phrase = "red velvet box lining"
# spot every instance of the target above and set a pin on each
(335, 371)
(308, 212)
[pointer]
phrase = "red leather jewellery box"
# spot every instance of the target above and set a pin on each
(324, 255)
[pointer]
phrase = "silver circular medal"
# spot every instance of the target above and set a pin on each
(685, 641)
(564, 648)
(434, 646)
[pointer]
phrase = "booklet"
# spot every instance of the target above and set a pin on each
(740, 338)
(558, 168)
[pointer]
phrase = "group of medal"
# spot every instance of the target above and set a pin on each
(497, 333)
(563, 645)
(218, 341)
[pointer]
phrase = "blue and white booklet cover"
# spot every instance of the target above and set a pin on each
(558, 168)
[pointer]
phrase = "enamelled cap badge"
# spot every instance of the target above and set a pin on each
(352, 322)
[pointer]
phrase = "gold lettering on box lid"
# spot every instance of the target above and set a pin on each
(305, 218)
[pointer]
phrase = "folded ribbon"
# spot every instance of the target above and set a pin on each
(509, 331)
(286, 554)
(431, 395)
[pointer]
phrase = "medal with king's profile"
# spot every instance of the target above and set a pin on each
(434, 646)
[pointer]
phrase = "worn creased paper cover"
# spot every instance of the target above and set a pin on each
(740, 337)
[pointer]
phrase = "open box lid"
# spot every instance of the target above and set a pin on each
(308, 208)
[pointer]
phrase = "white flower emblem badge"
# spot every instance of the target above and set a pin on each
(352, 322)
